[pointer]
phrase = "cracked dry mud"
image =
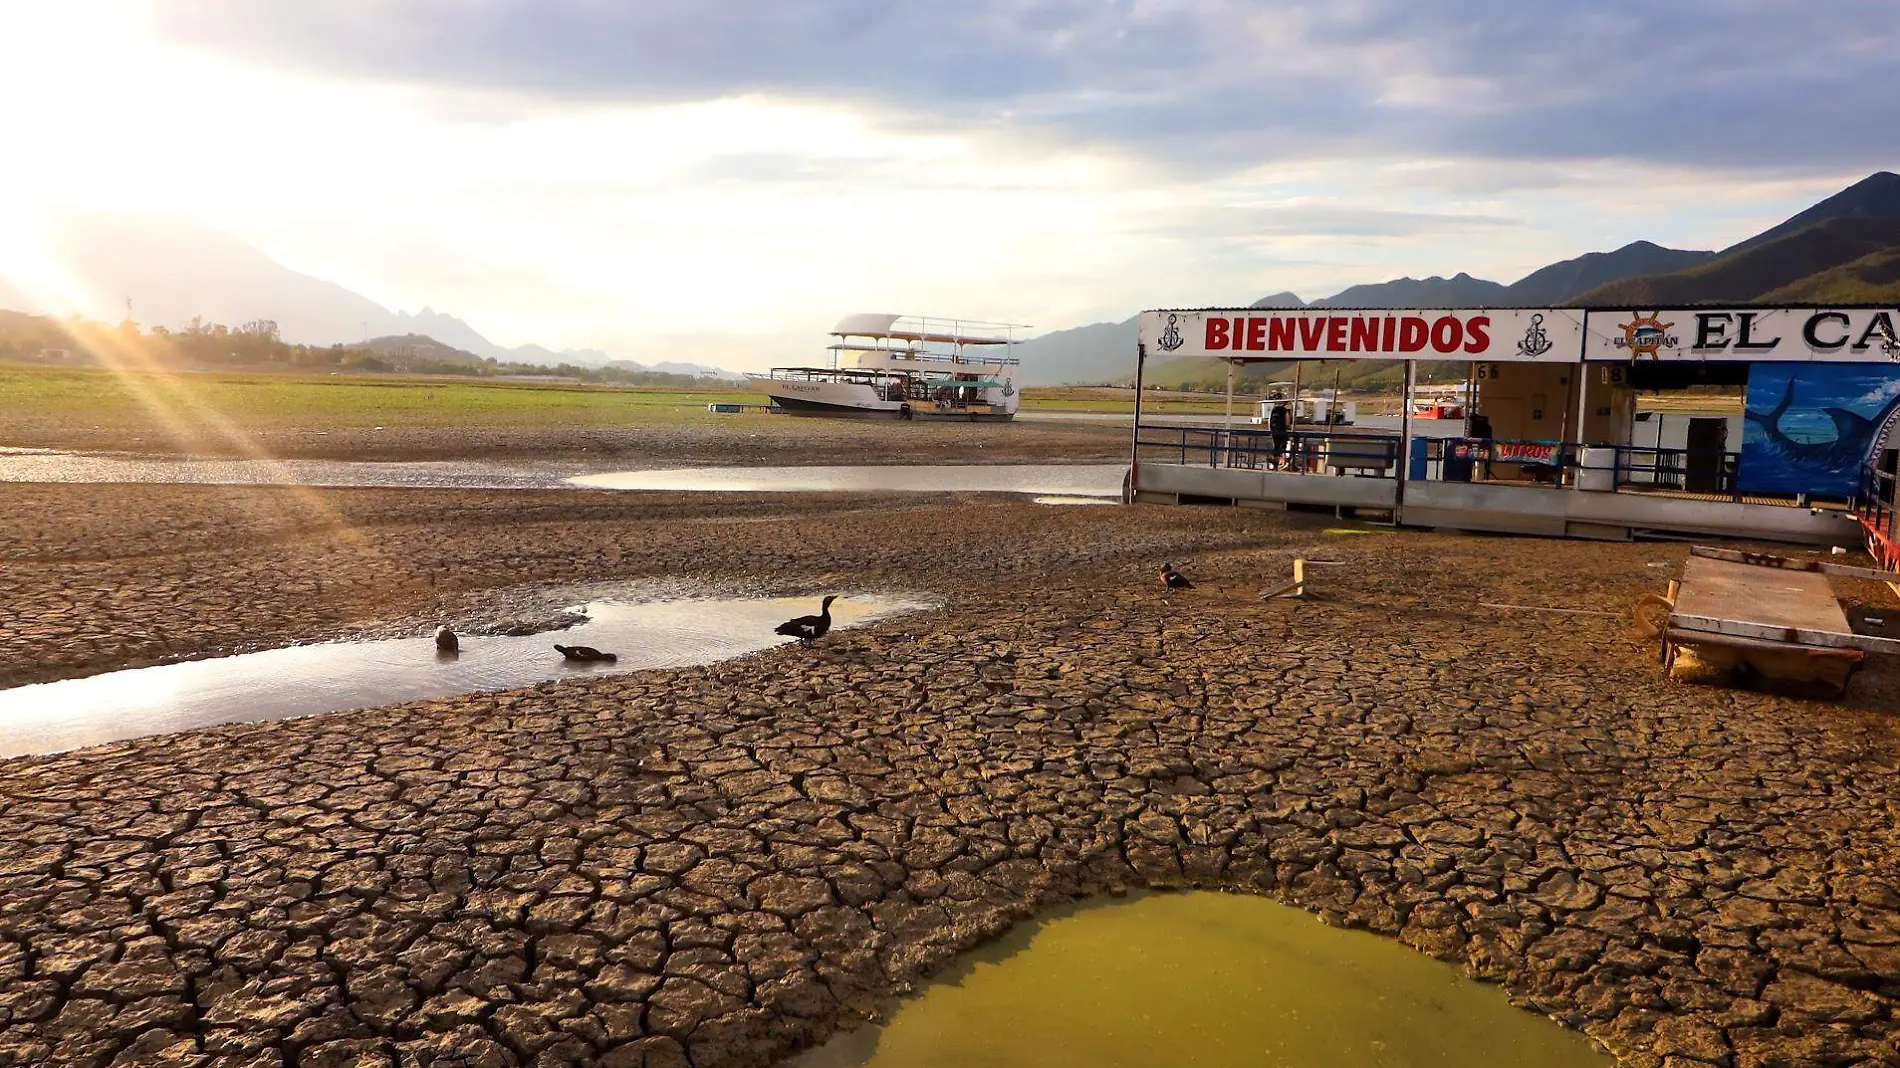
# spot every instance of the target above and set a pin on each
(716, 866)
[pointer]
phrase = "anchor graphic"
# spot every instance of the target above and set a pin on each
(1171, 338)
(1536, 342)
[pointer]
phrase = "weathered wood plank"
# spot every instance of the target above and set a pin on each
(1736, 641)
(1786, 563)
(1798, 600)
(1742, 628)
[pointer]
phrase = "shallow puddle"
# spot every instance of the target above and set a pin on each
(1207, 979)
(1078, 480)
(18, 465)
(308, 679)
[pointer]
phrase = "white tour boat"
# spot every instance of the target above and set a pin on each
(904, 367)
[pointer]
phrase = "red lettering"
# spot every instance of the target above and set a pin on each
(1280, 335)
(1336, 334)
(1477, 334)
(1447, 333)
(1311, 331)
(1216, 335)
(1412, 333)
(1391, 327)
(1256, 334)
(1365, 334)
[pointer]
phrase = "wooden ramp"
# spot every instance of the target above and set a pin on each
(1771, 618)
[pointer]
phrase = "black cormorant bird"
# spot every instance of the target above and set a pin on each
(585, 654)
(1173, 579)
(808, 629)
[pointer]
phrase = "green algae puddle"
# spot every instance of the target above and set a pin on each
(1171, 980)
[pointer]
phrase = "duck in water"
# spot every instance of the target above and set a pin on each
(1173, 579)
(808, 629)
(445, 641)
(585, 654)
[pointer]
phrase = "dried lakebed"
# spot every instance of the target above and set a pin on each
(718, 866)
(307, 680)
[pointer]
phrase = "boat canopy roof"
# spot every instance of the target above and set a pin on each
(862, 372)
(927, 328)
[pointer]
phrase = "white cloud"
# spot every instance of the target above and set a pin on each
(737, 227)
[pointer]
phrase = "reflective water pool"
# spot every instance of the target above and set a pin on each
(1204, 979)
(1079, 480)
(308, 679)
(46, 466)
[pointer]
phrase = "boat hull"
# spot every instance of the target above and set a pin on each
(855, 400)
(802, 406)
(822, 397)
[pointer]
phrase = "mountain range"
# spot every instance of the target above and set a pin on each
(174, 271)
(1844, 249)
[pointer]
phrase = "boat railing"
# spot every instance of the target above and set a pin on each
(942, 358)
(1371, 455)
(796, 374)
(977, 331)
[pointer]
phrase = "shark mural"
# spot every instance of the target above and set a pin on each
(1812, 427)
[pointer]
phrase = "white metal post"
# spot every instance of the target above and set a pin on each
(1134, 438)
(1583, 392)
(1405, 439)
(1228, 426)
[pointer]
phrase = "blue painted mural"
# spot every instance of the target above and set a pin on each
(1811, 427)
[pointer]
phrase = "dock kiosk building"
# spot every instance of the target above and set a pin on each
(1552, 440)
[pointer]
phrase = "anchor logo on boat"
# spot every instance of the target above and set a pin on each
(1645, 335)
(1171, 338)
(1009, 389)
(1536, 342)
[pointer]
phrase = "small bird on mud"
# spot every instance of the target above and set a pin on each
(585, 654)
(1173, 579)
(445, 640)
(808, 629)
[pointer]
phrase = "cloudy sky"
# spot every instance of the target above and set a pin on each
(722, 179)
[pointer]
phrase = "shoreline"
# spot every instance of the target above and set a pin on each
(732, 440)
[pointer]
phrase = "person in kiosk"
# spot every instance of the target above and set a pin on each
(1279, 418)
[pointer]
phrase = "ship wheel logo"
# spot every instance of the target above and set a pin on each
(1646, 335)
(1171, 338)
(1889, 344)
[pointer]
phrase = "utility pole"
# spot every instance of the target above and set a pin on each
(1134, 443)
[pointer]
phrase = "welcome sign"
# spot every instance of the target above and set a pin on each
(1548, 335)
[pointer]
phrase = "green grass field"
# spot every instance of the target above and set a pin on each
(53, 396)
(1122, 401)
(261, 401)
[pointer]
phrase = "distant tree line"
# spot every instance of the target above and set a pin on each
(259, 346)
(1373, 376)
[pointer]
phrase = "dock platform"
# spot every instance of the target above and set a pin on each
(1764, 618)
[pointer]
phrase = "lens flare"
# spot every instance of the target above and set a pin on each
(31, 267)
